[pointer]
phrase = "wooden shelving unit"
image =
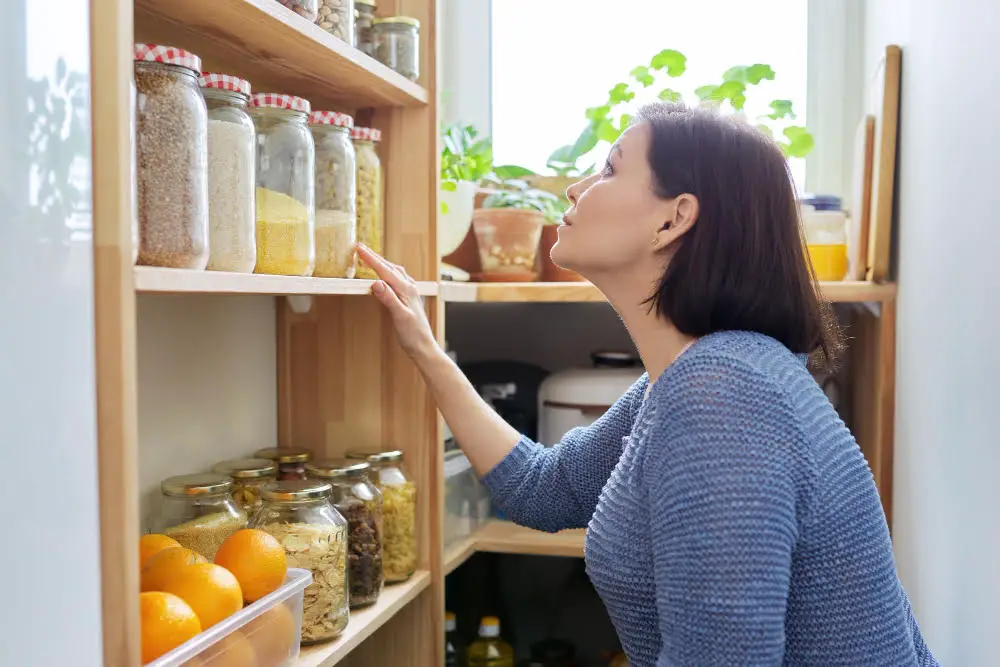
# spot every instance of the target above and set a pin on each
(151, 280)
(504, 537)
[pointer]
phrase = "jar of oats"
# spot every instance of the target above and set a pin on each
(171, 158)
(198, 511)
(249, 477)
(371, 223)
(299, 515)
(399, 514)
(336, 180)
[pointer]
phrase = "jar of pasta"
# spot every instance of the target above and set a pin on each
(249, 477)
(371, 223)
(291, 462)
(360, 502)
(336, 180)
(399, 514)
(198, 511)
(285, 193)
(299, 515)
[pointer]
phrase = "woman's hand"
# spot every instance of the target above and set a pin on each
(398, 293)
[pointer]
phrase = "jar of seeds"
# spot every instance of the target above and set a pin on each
(171, 158)
(299, 515)
(364, 15)
(307, 9)
(291, 462)
(336, 216)
(285, 195)
(371, 223)
(337, 18)
(249, 477)
(397, 44)
(231, 174)
(198, 511)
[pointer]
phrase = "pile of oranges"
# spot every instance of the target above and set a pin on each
(183, 594)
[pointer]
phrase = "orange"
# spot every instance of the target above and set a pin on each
(152, 544)
(256, 559)
(211, 590)
(166, 622)
(272, 635)
(232, 651)
(161, 566)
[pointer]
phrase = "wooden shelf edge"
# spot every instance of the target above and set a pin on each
(154, 280)
(458, 553)
(365, 622)
(505, 537)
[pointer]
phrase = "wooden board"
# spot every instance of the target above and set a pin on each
(154, 280)
(885, 102)
(861, 189)
(509, 538)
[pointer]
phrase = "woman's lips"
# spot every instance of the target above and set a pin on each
(566, 221)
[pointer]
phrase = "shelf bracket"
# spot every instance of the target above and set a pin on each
(300, 303)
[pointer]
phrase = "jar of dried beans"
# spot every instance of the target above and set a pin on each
(399, 514)
(299, 515)
(231, 174)
(249, 477)
(337, 18)
(360, 502)
(307, 9)
(198, 511)
(291, 462)
(364, 15)
(397, 44)
(171, 158)
(285, 185)
(371, 223)
(336, 216)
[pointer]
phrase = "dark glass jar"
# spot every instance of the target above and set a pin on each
(291, 462)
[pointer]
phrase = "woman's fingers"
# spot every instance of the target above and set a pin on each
(383, 269)
(387, 296)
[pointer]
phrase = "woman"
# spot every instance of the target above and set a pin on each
(732, 518)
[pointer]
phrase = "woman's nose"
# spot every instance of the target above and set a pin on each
(573, 191)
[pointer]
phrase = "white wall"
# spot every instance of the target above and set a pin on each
(947, 496)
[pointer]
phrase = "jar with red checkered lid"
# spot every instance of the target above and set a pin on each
(336, 217)
(371, 223)
(285, 194)
(231, 174)
(171, 158)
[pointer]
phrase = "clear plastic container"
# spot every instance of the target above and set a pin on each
(397, 44)
(249, 477)
(171, 158)
(364, 16)
(399, 514)
(508, 241)
(299, 515)
(460, 497)
(489, 650)
(371, 217)
(337, 18)
(285, 195)
(291, 462)
(269, 629)
(307, 9)
(198, 511)
(336, 195)
(360, 502)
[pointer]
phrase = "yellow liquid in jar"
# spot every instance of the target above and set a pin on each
(829, 261)
(285, 244)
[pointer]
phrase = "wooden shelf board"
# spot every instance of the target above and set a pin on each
(458, 553)
(456, 292)
(365, 622)
(505, 537)
(274, 47)
(154, 280)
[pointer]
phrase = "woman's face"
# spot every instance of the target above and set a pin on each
(615, 213)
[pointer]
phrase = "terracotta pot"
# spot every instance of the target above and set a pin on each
(549, 270)
(508, 242)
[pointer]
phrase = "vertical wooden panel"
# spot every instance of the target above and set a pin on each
(885, 98)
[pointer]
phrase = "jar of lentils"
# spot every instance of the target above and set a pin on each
(291, 462)
(336, 174)
(249, 477)
(171, 158)
(337, 18)
(364, 16)
(397, 44)
(371, 223)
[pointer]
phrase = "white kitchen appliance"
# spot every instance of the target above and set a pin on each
(578, 396)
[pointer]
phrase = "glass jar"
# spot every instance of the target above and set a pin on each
(360, 502)
(307, 9)
(299, 515)
(824, 225)
(285, 185)
(291, 462)
(364, 16)
(371, 223)
(249, 477)
(399, 514)
(397, 44)
(133, 172)
(198, 511)
(171, 158)
(231, 174)
(336, 182)
(337, 18)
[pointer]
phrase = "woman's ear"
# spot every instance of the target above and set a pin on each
(684, 213)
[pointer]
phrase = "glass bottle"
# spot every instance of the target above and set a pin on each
(489, 650)
(198, 511)
(454, 644)
(397, 44)
(291, 462)
(371, 221)
(249, 477)
(336, 194)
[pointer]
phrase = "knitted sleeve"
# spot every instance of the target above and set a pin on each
(553, 488)
(722, 445)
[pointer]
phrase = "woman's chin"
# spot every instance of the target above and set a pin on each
(562, 257)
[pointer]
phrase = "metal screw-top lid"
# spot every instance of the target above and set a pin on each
(335, 468)
(284, 455)
(246, 468)
(398, 20)
(196, 485)
(377, 458)
(297, 489)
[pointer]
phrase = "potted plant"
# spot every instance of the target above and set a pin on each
(465, 160)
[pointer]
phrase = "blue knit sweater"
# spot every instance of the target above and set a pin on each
(732, 517)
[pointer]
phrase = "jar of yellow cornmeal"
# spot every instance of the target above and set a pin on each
(825, 228)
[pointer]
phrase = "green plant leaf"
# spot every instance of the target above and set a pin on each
(738, 73)
(444, 208)
(597, 114)
(624, 122)
(765, 129)
(781, 109)
(757, 73)
(449, 186)
(510, 171)
(800, 142)
(706, 92)
(668, 95)
(562, 154)
(606, 131)
(584, 143)
(642, 75)
(620, 93)
(674, 62)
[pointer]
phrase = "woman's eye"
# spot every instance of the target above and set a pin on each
(608, 169)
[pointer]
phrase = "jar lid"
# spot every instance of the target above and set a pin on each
(296, 489)
(225, 82)
(377, 458)
(367, 3)
(398, 20)
(450, 621)
(333, 468)
(366, 134)
(246, 468)
(168, 55)
(196, 485)
(284, 455)
(278, 101)
(330, 118)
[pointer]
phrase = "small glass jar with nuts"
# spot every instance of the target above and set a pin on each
(249, 477)
(291, 462)
(337, 18)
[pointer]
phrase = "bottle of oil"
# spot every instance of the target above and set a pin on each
(490, 650)
(454, 645)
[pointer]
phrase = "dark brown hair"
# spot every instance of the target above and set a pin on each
(743, 265)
